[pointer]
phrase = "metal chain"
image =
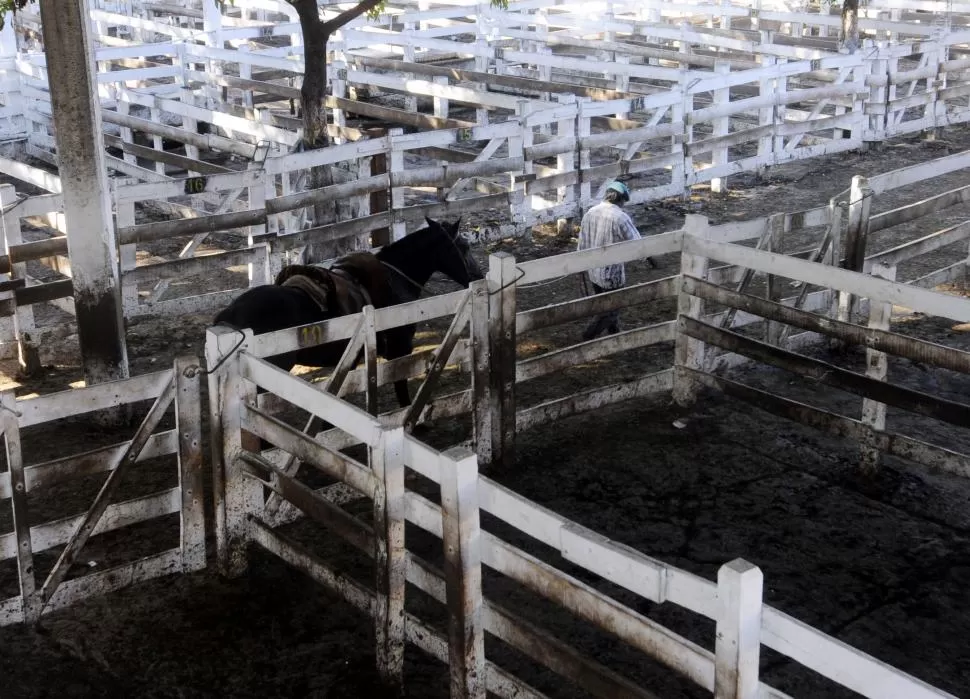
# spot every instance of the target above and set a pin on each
(197, 369)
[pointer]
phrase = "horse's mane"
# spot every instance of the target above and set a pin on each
(411, 245)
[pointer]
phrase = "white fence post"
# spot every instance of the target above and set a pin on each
(259, 272)
(857, 234)
(23, 318)
(395, 164)
(235, 496)
(29, 597)
(878, 107)
(683, 171)
(584, 128)
(877, 366)
(773, 290)
(390, 556)
(212, 26)
(737, 649)
(188, 427)
(834, 255)
(461, 536)
(689, 352)
(566, 162)
(186, 96)
(501, 330)
(124, 218)
(722, 127)
(481, 366)
(370, 358)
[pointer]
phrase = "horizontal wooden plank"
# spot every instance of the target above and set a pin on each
(532, 640)
(451, 405)
(336, 519)
(309, 451)
(290, 339)
(202, 264)
(576, 309)
(951, 273)
(920, 246)
(593, 350)
(575, 262)
(581, 599)
(917, 451)
(883, 340)
(95, 584)
(77, 401)
(829, 374)
(911, 212)
(117, 516)
(839, 661)
(919, 172)
(163, 230)
(289, 551)
(551, 411)
(212, 301)
(127, 193)
(499, 682)
(41, 204)
(40, 293)
(304, 395)
(45, 474)
(826, 276)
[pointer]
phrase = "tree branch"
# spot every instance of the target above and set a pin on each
(349, 15)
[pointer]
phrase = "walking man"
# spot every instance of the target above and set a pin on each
(605, 224)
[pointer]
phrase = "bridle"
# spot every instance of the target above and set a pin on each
(420, 287)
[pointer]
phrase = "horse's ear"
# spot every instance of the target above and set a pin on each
(456, 227)
(431, 223)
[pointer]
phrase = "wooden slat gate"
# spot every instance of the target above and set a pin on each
(179, 385)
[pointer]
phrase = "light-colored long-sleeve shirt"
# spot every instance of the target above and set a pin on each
(605, 224)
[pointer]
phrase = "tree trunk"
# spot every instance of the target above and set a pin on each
(314, 89)
(313, 93)
(849, 33)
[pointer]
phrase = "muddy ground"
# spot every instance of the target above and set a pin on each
(880, 563)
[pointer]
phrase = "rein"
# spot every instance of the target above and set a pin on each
(408, 279)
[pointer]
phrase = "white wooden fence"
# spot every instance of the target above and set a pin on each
(237, 414)
(734, 602)
(28, 488)
(547, 117)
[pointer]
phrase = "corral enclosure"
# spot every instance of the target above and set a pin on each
(517, 117)
(694, 513)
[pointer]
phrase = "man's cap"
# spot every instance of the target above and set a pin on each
(620, 187)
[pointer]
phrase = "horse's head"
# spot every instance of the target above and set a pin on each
(453, 253)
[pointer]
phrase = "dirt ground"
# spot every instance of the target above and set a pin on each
(879, 563)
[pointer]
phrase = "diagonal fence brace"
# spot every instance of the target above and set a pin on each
(93, 515)
(333, 384)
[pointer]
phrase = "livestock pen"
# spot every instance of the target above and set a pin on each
(442, 501)
(391, 452)
(456, 108)
(859, 564)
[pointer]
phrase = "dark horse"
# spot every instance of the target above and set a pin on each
(305, 294)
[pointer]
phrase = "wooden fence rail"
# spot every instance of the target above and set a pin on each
(733, 602)
(772, 95)
(24, 483)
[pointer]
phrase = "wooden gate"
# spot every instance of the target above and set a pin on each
(27, 484)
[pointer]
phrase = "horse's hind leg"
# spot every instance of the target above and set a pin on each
(401, 391)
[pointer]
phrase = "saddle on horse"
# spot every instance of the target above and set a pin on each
(355, 280)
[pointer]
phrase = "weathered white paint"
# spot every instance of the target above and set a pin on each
(87, 206)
